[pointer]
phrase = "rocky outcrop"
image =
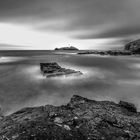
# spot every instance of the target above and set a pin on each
(53, 70)
(80, 119)
(130, 107)
(1, 114)
(133, 46)
(108, 52)
(71, 48)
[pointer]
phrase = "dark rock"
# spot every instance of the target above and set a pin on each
(133, 46)
(108, 52)
(71, 48)
(129, 106)
(53, 69)
(1, 114)
(80, 119)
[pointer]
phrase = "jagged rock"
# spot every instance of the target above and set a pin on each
(71, 48)
(80, 119)
(53, 69)
(133, 46)
(129, 106)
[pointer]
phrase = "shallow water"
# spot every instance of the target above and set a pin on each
(104, 78)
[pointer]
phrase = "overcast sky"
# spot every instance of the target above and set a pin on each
(86, 24)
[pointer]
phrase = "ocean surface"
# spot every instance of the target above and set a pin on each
(112, 78)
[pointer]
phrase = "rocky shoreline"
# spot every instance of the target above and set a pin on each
(80, 119)
(131, 48)
(108, 52)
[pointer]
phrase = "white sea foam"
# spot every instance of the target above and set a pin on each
(33, 73)
(135, 65)
(10, 59)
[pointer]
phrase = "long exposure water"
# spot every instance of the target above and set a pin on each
(111, 78)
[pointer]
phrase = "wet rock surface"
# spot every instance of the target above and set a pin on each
(80, 119)
(53, 70)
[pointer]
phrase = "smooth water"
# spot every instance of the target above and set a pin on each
(104, 78)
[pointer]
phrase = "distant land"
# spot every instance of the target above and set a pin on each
(131, 48)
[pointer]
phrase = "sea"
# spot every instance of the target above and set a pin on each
(111, 78)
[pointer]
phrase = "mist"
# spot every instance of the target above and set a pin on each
(104, 78)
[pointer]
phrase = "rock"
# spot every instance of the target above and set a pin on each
(80, 119)
(129, 106)
(58, 120)
(53, 70)
(67, 127)
(133, 46)
(108, 52)
(71, 48)
(1, 114)
(130, 48)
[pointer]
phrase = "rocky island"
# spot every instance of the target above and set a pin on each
(80, 119)
(53, 70)
(71, 48)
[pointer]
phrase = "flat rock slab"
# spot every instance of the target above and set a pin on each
(54, 70)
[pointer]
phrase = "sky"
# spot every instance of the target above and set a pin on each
(85, 24)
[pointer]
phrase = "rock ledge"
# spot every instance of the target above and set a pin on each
(53, 70)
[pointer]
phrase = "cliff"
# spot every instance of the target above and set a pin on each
(133, 46)
(80, 119)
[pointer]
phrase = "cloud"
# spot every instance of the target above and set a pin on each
(115, 32)
(93, 19)
(82, 15)
(10, 46)
(77, 19)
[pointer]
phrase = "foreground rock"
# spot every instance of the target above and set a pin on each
(71, 48)
(53, 70)
(80, 119)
